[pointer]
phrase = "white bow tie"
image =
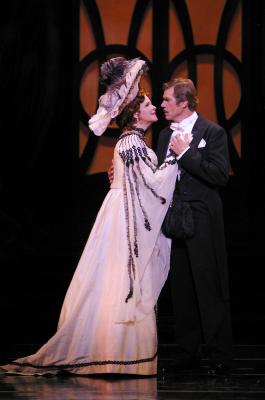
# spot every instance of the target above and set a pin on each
(175, 126)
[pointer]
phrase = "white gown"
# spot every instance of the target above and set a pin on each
(107, 322)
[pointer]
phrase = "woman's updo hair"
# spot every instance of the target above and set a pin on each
(126, 119)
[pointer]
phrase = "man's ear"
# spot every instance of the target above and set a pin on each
(184, 104)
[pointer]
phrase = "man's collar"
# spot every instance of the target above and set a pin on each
(186, 121)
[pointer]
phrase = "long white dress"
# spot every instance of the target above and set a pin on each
(107, 322)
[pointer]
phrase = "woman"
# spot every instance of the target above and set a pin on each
(107, 322)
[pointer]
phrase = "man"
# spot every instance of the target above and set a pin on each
(199, 275)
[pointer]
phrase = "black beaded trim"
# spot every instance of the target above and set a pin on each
(88, 364)
(130, 265)
(134, 217)
(134, 153)
(162, 199)
(168, 161)
(149, 162)
(142, 152)
(146, 221)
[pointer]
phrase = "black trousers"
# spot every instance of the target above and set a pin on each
(201, 314)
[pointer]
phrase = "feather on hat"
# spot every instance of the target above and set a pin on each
(122, 78)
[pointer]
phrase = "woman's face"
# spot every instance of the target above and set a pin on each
(147, 112)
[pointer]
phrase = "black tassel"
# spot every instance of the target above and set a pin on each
(147, 224)
(130, 294)
(136, 249)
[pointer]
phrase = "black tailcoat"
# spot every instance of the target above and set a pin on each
(199, 273)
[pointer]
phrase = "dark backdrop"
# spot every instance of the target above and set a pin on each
(46, 208)
(38, 164)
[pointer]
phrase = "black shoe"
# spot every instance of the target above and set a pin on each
(217, 369)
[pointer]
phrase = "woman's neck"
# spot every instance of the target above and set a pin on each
(141, 126)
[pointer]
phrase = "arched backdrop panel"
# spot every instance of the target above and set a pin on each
(53, 171)
(210, 42)
(200, 40)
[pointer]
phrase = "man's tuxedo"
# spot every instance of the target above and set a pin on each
(199, 273)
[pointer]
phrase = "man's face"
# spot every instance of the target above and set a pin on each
(172, 110)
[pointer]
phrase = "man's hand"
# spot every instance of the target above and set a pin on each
(178, 144)
(111, 173)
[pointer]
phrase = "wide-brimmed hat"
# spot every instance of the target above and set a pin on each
(122, 78)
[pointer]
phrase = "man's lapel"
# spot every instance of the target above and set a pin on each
(198, 131)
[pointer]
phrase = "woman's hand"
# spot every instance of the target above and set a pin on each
(179, 143)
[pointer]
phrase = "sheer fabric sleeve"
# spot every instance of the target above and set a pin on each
(134, 153)
(147, 192)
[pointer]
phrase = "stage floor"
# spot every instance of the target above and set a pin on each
(246, 381)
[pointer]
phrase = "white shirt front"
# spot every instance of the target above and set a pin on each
(183, 127)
